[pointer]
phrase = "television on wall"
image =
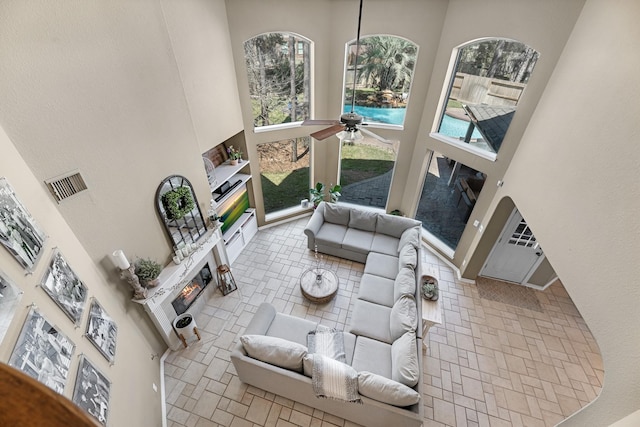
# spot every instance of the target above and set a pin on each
(232, 208)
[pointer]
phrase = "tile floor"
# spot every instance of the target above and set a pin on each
(489, 364)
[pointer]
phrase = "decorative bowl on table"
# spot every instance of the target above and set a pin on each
(429, 288)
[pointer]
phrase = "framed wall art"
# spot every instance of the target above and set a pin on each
(64, 287)
(102, 331)
(10, 296)
(19, 233)
(91, 392)
(43, 352)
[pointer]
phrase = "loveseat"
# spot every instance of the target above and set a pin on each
(383, 341)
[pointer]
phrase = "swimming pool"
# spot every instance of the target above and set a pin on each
(391, 116)
(456, 128)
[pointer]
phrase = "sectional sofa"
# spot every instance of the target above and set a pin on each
(383, 341)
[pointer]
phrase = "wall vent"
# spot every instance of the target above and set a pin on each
(67, 185)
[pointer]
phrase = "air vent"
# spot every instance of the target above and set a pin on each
(66, 185)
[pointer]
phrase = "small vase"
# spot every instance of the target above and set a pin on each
(234, 162)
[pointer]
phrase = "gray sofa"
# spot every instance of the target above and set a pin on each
(383, 341)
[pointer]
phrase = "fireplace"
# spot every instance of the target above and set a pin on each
(192, 291)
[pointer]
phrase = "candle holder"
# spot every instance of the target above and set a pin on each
(128, 273)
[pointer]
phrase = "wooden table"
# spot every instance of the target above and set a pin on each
(319, 285)
(432, 311)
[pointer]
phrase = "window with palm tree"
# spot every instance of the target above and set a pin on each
(383, 78)
(279, 74)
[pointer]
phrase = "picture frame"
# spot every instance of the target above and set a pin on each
(43, 352)
(91, 391)
(102, 330)
(19, 232)
(10, 296)
(64, 287)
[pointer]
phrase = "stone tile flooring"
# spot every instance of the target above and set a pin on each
(488, 364)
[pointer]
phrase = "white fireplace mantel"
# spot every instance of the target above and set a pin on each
(174, 277)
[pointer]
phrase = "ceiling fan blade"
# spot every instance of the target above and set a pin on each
(310, 122)
(327, 132)
(376, 136)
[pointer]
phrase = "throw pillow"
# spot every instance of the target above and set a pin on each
(410, 236)
(385, 390)
(404, 316)
(336, 214)
(327, 342)
(404, 360)
(276, 351)
(405, 283)
(408, 256)
(363, 220)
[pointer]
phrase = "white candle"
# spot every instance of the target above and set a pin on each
(179, 254)
(121, 260)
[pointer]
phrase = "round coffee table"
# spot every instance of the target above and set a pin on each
(319, 285)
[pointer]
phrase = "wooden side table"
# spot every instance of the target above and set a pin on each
(432, 311)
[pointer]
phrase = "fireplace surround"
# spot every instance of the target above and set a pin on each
(196, 268)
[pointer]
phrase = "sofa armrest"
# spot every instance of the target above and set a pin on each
(314, 224)
(258, 325)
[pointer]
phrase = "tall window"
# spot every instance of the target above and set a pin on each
(278, 68)
(487, 84)
(284, 173)
(365, 171)
(449, 194)
(384, 72)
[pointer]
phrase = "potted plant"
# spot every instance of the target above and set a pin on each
(334, 193)
(429, 289)
(317, 194)
(148, 271)
(234, 155)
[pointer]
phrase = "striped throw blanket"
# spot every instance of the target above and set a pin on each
(331, 377)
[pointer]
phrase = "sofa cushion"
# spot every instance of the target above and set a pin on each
(385, 244)
(376, 289)
(357, 240)
(362, 220)
(336, 214)
(371, 320)
(410, 236)
(331, 234)
(384, 390)
(291, 328)
(408, 256)
(405, 283)
(372, 356)
(404, 360)
(393, 225)
(404, 316)
(276, 351)
(382, 265)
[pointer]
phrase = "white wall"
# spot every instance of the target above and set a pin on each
(574, 178)
(133, 401)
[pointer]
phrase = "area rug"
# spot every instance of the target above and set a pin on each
(508, 293)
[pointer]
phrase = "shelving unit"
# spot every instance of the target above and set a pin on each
(240, 233)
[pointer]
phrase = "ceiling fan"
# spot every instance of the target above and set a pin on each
(348, 127)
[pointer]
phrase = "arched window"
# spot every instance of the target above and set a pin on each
(279, 73)
(489, 78)
(383, 78)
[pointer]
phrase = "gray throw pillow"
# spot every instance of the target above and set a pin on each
(404, 316)
(276, 351)
(384, 390)
(410, 236)
(404, 360)
(363, 220)
(408, 256)
(405, 283)
(336, 214)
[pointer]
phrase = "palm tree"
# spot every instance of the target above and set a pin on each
(387, 62)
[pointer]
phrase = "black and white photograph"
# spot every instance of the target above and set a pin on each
(10, 296)
(65, 287)
(43, 352)
(91, 391)
(19, 233)
(102, 331)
